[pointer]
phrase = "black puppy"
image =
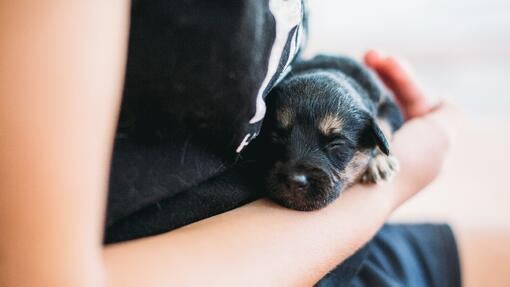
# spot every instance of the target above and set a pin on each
(328, 126)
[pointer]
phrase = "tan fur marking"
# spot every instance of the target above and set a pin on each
(330, 124)
(355, 168)
(285, 117)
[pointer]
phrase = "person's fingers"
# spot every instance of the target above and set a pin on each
(399, 79)
(420, 161)
(372, 59)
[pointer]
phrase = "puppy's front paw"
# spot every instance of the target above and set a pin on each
(380, 168)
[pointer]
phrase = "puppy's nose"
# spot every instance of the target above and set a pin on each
(298, 182)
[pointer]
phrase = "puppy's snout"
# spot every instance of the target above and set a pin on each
(298, 182)
(300, 185)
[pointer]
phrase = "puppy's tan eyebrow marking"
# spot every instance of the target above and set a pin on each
(330, 124)
(285, 117)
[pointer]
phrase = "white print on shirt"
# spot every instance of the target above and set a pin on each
(294, 47)
(287, 14)
(247, 139)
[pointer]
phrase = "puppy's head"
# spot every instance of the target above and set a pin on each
(321, 135)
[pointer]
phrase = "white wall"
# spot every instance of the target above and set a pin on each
(458, 47)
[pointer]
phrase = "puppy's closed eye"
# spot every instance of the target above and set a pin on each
(340, 148)
(334, 142)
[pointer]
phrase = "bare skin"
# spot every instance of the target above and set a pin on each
(60, 84)
(61, 66)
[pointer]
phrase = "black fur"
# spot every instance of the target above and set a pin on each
(310, 164)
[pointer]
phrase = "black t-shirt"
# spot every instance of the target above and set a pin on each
(197, 75)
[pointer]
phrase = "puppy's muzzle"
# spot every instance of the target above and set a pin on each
(301, 185)
(297, 182)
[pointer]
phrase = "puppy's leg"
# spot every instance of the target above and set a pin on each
(380, 168)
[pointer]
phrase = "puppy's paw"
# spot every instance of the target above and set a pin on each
(380, 168)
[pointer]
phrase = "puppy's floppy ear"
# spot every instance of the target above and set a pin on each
(374, 136)
(380, 138)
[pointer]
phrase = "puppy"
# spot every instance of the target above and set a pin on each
(328, 126)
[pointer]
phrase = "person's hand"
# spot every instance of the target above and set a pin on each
(422, 144)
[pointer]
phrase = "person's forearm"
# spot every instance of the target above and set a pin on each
(260, 244)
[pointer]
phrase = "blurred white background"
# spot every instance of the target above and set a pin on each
(460, 49)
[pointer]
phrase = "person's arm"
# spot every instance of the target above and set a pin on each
(61, 71)
(262, 244)
(60, 78)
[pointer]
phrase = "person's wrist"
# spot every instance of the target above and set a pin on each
(421, 147)
(381, 197)
(390, 197)
(398, 192)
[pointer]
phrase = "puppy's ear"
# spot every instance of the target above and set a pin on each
(374, 136)
(380, 138)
